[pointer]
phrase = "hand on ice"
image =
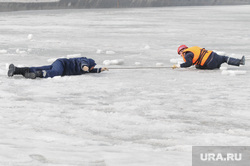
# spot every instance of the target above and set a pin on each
(85, 68)
(175, 66)
(104, 69)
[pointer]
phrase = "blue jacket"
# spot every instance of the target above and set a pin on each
(73, 66)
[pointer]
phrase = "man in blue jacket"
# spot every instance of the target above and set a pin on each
(61, 67)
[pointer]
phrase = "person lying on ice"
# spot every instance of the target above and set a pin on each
(204, 59)
(60, 67)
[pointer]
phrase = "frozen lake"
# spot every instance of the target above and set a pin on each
(122, 117)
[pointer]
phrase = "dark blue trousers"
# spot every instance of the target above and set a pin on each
(55, 69)
(216, 60)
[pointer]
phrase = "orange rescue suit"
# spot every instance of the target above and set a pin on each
(200, 55)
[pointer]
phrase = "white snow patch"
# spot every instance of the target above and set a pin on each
(19, 51)
(30, 36)
(7, 66)
(114, 62)
(159, 64)
(233, 72)
(107, 62)
(57, 77)
(3, 51)
(223, 68)
(99, 51)
(147, 47)
(138, 63)
(107, 52)
(110, 52)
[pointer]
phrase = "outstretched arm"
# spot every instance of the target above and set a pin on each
(189, 60)
(99, 70)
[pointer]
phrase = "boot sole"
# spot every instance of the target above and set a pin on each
(11, 70)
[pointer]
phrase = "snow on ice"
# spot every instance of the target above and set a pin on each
(122, 117)
(147, 47)
(107, 52)
(159, 64)
(176, 61)
(3, 51)
(30, 36)
(113, 62)
(138, 63)
(233, 72)
(110, 52)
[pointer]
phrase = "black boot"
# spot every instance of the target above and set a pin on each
(33, 75)
(242, 61)
(233, 61)
(13, 70)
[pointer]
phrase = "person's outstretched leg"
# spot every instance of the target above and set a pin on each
(34, 69)
(56, 69)
(236, 62)
(37, 72)
(217, 60)
(34, 75)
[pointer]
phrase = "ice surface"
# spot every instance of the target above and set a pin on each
(74, 55)
(110, 52)
(175, 61)
(122, 117)
(233, 72)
